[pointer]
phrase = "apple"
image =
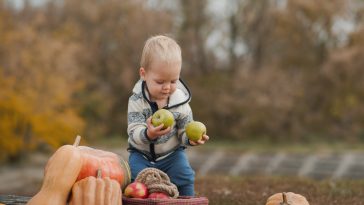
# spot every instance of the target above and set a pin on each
(163, 116)
(195, 130)
(136, 190)
(158, 195)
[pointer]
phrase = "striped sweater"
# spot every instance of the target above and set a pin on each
(140, 108)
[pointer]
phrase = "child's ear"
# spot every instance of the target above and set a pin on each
(142, 73)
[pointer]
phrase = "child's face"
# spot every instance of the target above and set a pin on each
(161, 79)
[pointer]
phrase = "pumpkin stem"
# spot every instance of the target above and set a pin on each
(77, 141)
(284, 196)
(99, 173)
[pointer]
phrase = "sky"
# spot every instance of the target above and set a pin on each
(20, 3)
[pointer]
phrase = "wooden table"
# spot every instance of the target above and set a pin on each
(13, 199)
(22, 200)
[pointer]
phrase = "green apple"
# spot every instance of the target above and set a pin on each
(195, 130)
(163, 116)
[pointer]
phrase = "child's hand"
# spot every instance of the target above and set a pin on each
(155, 132)
(202, 141)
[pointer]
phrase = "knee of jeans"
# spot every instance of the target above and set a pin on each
(191, 179)
(136, 164)
(185, 178)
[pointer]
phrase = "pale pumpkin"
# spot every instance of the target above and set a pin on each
(96, 191)
(288, 198)
(61, 173)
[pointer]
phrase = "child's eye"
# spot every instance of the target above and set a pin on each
(159, 82)
(174, 82)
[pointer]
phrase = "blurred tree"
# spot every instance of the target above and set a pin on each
(113, 34)
(257, 23)
(69, 66)
(38, 77)
(343, 74)
(278, 100)
(307, 25)
(273, 31)
(192, 36)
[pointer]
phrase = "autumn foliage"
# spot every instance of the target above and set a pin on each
(280, 70)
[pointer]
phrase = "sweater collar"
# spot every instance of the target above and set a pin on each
(181, 96)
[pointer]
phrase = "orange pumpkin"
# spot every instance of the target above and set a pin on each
(111, 165)
(289, 198)
(72, 163)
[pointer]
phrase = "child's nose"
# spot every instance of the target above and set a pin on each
(166, 86)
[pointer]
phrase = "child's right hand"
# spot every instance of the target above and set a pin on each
(155, 132)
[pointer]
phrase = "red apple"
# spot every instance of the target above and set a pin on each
(158, 195)
(136, 190)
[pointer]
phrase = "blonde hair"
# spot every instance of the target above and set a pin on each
(160, 48)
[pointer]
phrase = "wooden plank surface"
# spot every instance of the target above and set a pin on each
(13, 199)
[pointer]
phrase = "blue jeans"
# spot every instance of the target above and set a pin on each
(175, 165)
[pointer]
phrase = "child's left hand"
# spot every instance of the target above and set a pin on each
(202, 141)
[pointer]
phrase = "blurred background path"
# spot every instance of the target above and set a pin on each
(25, 178)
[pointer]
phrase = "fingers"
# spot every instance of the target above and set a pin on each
(149, 121)
(165, 131)
(159, 129)
(193, 143)
(201, 141)
(154, 132)
(205, 137)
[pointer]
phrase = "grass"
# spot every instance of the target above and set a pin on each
(256, 190)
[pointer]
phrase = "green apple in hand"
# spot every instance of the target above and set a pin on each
(195, 130)
(163, 116)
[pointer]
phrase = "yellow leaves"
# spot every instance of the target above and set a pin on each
(38, 110)
(13, 119)
(342, 105)
(38, 79)
(22, 127)
(56, 129)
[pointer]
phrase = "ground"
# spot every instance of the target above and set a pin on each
(216, 184)
(221, 190)
(256, 190)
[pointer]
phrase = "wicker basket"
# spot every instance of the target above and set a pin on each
(179, 201)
